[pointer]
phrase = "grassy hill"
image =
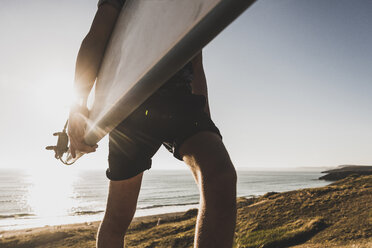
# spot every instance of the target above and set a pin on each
(335, 215)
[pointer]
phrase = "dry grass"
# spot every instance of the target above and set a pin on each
(338, 214)
(282, 236)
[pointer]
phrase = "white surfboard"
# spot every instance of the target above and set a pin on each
(152, 40)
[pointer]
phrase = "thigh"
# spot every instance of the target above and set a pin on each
(122, 199)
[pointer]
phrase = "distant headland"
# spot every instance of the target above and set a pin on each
(343, 171)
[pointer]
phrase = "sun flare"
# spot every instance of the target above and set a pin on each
(52, 194)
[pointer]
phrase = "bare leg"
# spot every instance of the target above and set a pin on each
(120, 209)
(215, 175)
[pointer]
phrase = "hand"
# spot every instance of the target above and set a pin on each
(76, 131)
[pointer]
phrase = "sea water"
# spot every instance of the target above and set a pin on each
(28, 201)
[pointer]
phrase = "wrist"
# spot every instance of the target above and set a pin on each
(81, 102)
(80, 108)
(81, 94)
(79, 98)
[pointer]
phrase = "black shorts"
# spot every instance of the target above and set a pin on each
(168, 117)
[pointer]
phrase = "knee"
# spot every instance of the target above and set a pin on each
(218, 191)
(117, 224)
(221, 181)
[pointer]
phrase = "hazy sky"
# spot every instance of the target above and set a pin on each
(290, 83)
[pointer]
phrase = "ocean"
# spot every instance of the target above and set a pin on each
(32, 200)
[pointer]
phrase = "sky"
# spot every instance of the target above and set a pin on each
(290, 83)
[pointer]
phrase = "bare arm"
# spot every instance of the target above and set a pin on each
(93, 48)
(88, 63)
(199, 83)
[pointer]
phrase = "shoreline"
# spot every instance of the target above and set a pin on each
(40, 212)
(80, 225)
(253, 189)
(336, 215)
(14, 224)
(93, 218)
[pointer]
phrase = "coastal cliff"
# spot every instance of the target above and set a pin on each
(346, 170)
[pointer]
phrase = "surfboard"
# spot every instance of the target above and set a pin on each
(151, 41)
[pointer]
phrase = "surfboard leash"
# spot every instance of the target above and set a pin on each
(62, 145)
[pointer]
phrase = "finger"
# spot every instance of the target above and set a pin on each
(76, 131)
(72, 150)
(76, 135)
(87, 149)
(74, 147)
(81, 146)
(78, 144)
(73, 142)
